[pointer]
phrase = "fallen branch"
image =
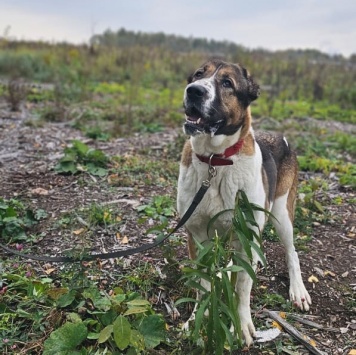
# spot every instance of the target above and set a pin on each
(303, 339)
(310, 323)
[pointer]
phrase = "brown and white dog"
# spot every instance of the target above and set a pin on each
(218, 119)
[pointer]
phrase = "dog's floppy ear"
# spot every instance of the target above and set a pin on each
(253, 89)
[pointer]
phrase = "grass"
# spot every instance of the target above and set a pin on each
(283, 109)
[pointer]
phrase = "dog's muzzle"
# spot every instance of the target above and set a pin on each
(197, 118)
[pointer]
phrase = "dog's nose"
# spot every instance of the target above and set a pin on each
(196, 91)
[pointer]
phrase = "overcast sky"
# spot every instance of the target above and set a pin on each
(326, 25)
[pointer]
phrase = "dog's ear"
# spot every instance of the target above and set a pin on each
(253, 89)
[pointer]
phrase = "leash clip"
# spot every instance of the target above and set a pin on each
(212, 172)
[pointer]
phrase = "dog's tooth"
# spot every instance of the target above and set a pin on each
(199, 119)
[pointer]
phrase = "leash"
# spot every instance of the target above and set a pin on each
(116, 254)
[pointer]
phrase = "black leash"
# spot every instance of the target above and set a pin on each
(116, 254)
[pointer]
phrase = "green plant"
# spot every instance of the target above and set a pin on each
(78, 316)
(15, 219)
(16, 93)
(160, 206)
(79, 157)
(219, 264)
(97, 133)
(120, 321)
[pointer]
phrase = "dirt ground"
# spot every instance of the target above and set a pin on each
(29, 153)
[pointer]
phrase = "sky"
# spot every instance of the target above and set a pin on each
(325, 25)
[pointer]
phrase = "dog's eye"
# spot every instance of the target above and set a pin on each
(198, 74)
(227, 83)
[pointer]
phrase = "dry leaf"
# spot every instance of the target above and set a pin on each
(313, 279)
(125, 240)
(49, 271)
(118, 235)
(79, 231)
(113, 179)
(312, 342)
(345, 274)
(283, 315)
(327, 272)
(39, 191)
(276, 325)
(352, 352)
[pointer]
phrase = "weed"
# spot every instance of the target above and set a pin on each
(215, 261)
(97, 133)
(16, 93)
(79, 157)
(35, 306)
(15, 219)
(137, 170)
(160, 206)
(272, 301)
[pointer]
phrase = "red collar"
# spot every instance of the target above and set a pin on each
(221, 159)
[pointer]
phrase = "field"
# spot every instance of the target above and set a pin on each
(89, 155)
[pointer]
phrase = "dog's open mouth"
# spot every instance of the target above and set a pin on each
(195, 123)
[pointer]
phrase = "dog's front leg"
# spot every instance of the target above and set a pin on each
(243, 289)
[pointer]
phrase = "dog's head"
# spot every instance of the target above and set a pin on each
(217, 97)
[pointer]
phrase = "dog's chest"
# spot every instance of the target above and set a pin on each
(242, 175)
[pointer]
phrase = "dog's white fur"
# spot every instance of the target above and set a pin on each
(245, 174)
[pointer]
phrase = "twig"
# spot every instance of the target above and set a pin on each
(294, 332)
(310, 323)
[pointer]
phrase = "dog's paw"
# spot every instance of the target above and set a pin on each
(247, 328)
(300, 296)
(248, 332)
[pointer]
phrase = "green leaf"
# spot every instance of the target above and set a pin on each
(233, 268)
(135, 310)
(259, 253)
(319, 206)
(105, 334)
(66, 299)
(199, 315)
(122, 332)
(80, 147)
(247, 267)
(66, 167)
(65, 339)
(138, 302)
(93, 336)
(153, 329)
(137, 340)
(185, 300)
(96, 170)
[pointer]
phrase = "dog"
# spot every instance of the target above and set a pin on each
(218, 120)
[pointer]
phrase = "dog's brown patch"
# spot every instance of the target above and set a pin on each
(186, 159)
(192, 250)
(288, 180)
(248, 147)
(265, 187)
